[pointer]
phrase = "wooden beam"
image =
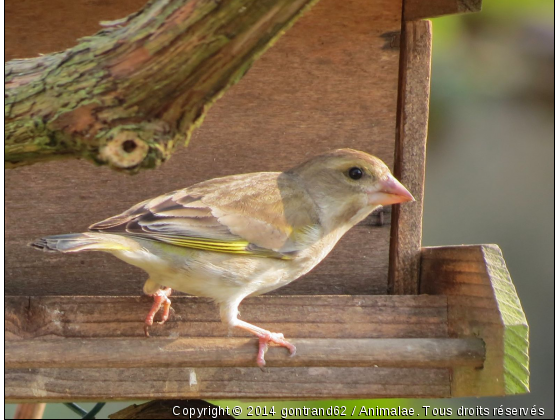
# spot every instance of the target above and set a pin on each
(482, 303)
(85, 329)
(422, 9)
(410, 155)
(340, 341)
(63, 317)
(241, 352)
(248, 383)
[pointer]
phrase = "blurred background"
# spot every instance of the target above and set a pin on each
(490, 159)
(490, 174)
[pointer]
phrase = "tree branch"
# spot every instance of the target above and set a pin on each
(130, 94)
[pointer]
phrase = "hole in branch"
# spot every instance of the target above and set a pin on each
(129, 146)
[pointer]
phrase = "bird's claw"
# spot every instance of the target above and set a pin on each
(161, 298)
(274, 339)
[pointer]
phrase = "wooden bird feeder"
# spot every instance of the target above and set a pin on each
(380, 317)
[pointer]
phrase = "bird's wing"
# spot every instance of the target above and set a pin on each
(263, 214)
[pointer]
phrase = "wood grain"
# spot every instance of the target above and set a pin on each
(33, 27)
(241, 352)
(315, 90)
(300, 383)
(482, 303)
(63, 317)
(410, 156)
(102, 354)
(422, 9)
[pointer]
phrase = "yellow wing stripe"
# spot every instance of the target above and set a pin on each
(233, 247)
(236, 245)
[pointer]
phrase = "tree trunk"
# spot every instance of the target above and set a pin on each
(127, 96)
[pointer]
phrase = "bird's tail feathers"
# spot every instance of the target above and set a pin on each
(88, 241)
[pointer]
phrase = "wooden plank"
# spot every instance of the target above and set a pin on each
(63, 317)
(482, 303)
(422, 9)
(315, 90)
(241, 352)
(83, 330)
(410, 156)
(64, 385)
(33, 28)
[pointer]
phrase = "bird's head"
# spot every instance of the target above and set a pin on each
(349, 184)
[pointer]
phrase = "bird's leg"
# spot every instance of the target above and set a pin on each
(161, 298)
(229, 315)
(265, 338)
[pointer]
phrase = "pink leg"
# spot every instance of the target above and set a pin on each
(265, 339)
(161, 298)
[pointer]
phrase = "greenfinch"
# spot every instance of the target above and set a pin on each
(242, 235)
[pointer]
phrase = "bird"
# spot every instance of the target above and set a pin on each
(241, 235)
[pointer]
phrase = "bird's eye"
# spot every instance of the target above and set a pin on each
(355, 173)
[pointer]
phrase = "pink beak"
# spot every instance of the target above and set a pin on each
(390, 191)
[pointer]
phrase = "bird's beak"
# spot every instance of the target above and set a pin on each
(390, 191)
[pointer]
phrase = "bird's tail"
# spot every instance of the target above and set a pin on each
(88, 241)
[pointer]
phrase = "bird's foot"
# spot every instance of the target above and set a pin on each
(277, 339)
(161, 299)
